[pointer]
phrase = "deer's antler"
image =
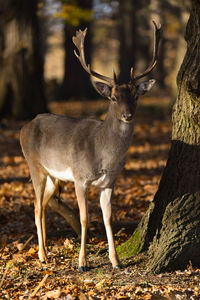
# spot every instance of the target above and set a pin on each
(78, 41)
(155, 54)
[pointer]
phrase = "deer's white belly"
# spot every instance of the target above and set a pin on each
(65, 175)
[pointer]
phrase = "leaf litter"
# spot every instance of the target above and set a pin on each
(22, 276)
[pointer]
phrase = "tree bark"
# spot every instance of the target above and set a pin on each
(21, 62)
(170, 230)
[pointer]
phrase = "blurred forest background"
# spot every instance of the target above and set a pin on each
(37, 64)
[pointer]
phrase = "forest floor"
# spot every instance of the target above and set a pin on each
(22, 276)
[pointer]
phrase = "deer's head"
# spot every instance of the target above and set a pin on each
(123, 97)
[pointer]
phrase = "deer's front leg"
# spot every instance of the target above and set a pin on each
(105, 201)
(83, 208)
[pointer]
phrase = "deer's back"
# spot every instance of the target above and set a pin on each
(63, 145)
(50, 132)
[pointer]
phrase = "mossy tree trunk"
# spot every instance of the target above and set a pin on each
(21, 62)
(170, 230)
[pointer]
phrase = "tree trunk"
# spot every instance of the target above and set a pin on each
(172, 14)
(21, 63)
(170, 230)
(133, 36)
(76, 81)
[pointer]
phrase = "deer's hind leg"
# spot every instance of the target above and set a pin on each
(44, 188)
(51, 187)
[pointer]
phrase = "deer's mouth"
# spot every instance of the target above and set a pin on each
(127, 118)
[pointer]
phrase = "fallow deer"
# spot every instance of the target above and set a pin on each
(86, 151)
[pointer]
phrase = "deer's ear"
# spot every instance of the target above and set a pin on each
(102, 88)
(145, 86)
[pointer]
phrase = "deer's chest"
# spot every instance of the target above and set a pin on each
(107, 176)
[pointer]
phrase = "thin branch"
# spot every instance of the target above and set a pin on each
(26, 243)
(4, 276)
(39, 286)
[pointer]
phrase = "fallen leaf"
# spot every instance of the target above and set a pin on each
(82, 297)
(47, 272)
(20, 246)
(53, 294)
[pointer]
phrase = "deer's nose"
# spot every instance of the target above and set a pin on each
(127, 117)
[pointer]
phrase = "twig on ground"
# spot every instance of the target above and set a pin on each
(4, 275)
(29, 239)
(39, 286)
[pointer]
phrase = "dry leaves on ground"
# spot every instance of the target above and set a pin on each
(22, 276)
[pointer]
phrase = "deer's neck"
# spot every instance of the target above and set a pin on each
(118, 134)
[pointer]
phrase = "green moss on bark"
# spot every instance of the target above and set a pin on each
(132, 247)
(139, 240)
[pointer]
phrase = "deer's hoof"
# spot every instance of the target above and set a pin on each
(43, 262)
(82, 269)
(118, 267)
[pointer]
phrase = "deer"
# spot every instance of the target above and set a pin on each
(87, 151)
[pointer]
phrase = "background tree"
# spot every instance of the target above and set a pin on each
(170, 230)
(173, 15)
(21, 60)
(135, 35)
(76, 14)
(133, 26)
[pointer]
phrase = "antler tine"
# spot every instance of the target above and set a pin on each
(132, 74)
(78, 41)
(157, 29)
(114, 77)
